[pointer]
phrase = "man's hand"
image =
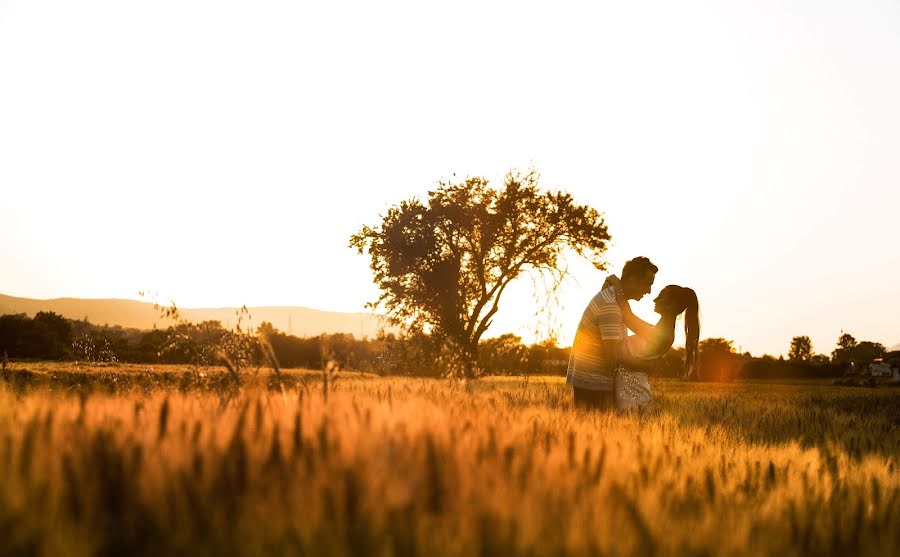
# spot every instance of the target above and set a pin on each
(613, 280)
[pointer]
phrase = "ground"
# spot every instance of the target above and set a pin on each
(174, 460)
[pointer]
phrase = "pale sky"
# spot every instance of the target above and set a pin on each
(222, 153)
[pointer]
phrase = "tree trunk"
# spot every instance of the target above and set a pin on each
(470, 359)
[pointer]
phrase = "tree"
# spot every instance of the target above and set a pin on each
(548, 358)
(801, 349)
(718, 360)
(443, 265)
(267, 330)
(843, 354)
(504, 354)
(849, 351)
(671, 364)
(867, 352)
(52, 336)
(819, 360)
(846, 341)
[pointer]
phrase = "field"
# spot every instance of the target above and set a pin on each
(114, 461)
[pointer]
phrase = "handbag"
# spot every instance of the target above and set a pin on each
(632, 390)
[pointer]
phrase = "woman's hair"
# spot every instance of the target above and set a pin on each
(682, 299)
(691, 333)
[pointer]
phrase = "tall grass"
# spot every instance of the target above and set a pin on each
(375, 466)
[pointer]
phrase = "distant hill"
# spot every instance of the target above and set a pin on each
(892, 348)
(299, 321)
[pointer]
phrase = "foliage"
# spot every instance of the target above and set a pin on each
(867, 352)
(503, 355)
(801, 349)
(47, 336)
(849, 351)
(843, 354)
(718, 360)
(199, 345)
(546, 358)
(443, 265)
(846, 341)
(209, 343)
(768, 367)
(671, 364)
(85, 348)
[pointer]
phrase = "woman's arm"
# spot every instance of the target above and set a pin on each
(637, 325)
(622, 356)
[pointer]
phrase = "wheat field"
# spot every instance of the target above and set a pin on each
(116, 461)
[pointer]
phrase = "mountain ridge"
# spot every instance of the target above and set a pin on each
(295, 320)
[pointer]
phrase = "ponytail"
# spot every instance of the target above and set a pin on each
(691, 333)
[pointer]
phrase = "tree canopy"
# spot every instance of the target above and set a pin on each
(718, 360)
(443, 264)
(850, 351)
(801, 349)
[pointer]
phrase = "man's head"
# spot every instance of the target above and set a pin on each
(637, 277)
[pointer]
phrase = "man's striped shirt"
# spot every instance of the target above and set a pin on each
(589, 367)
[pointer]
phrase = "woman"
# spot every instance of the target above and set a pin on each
(653, 341)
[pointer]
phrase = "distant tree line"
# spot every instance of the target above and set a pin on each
(49, 336)
(720, 362)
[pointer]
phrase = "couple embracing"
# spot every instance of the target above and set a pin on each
(607, 367)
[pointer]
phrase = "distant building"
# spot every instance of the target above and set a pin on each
(888, 366)
(881, 369)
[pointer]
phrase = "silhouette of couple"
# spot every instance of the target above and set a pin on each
(607, 367)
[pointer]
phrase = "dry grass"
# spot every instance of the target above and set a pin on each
(394, 466)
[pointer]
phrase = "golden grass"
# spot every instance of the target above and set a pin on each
(398, 466)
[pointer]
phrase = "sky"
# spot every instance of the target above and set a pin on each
(222, 153)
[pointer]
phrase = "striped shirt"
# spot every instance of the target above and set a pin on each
(589, 366)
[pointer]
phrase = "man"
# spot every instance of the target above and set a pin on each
(596, 350)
